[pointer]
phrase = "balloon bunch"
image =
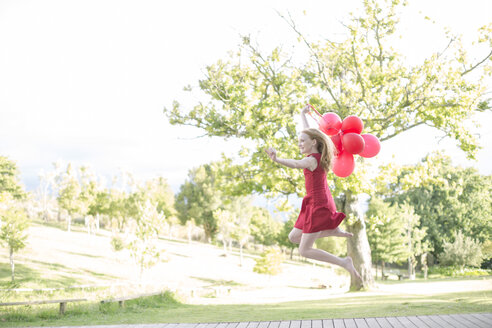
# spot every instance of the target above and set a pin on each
(347, 138)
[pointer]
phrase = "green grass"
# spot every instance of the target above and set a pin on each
(166, 309)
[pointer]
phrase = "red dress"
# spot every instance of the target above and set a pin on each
(318, 210)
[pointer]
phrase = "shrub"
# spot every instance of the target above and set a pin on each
(269, 262)
(463, 251)
(117, 243)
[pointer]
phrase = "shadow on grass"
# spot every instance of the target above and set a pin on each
(86, 255)
(59, 275)
(219, 282)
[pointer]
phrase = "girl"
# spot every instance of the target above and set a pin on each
(318, 217)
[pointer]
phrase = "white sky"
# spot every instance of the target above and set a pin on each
(86, 81)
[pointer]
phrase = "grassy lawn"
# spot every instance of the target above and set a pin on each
(166, 309)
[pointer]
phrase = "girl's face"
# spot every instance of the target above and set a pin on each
(306, 144)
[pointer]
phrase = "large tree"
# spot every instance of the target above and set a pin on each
(254, 95)
(447, 198)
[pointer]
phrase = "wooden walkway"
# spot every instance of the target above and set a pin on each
(480, 320)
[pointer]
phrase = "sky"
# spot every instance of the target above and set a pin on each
(86, 82)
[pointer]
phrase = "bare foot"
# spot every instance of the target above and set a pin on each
(349, 266)
(337, 232)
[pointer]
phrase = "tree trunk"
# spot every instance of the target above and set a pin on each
(358, 245)
(240, 255)
(69, 220)
(12, 265)
(423, 259)
(382, 269)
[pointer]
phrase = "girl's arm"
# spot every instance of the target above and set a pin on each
(309, 163)
(304, 111)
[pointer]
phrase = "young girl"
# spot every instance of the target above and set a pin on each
(318, 217)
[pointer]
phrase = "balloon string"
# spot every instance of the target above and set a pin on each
(314, 110)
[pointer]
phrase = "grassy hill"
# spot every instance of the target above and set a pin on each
(206, 286)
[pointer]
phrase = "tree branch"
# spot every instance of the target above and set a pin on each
(478, 64)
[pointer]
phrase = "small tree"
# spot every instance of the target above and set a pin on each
(13, 225)
(13, 219)
(463, 251)
(282, 237)
(415, 238)
(269, 262)
(69, 194)
(386, 233)
(143, 243)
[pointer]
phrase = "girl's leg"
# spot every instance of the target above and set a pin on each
(306, 249)
(337, 232)
(295, 235)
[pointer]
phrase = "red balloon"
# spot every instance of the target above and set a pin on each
(337, 141)
(352, 124)
(330, 124)
(344, 164)
(373, 146)
(353, 143)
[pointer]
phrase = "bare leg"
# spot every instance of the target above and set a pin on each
(306, 249)
(337, 232)
(295, 235)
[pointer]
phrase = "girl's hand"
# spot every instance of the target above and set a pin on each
(272, 153)
(306, 109)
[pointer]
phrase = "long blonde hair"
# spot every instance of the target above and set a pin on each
(324, 146)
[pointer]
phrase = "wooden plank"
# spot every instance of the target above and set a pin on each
(449, 321)
(383, 322)
(371, 323)
(202, 325)
(437, 320)
(186, 325)
(349, 323)
(284, 324)
(429, 322)
(416, 321)
(253, 324)
(483, 318)
(274, 324)
(394, 322)
(479, 323)
(263, 324)
(240, 325)
(220, 325)
(461, 319)
(407, 323)
(44, 302)
(327, 323)
(361, 323)
(295, 324)
(317, 324)
(305, 323)
(338, 323)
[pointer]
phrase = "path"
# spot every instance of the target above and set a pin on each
(479, 320)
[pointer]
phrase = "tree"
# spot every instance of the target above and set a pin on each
(386, 233)
(69, 194)
(463, 251)
(13, 218)
(9, 179)
(143, 244)
(282, 237)
(253, 96)
(199, 197)
(414, 238)
(13, 225)
(264, 228)
(448, 199)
